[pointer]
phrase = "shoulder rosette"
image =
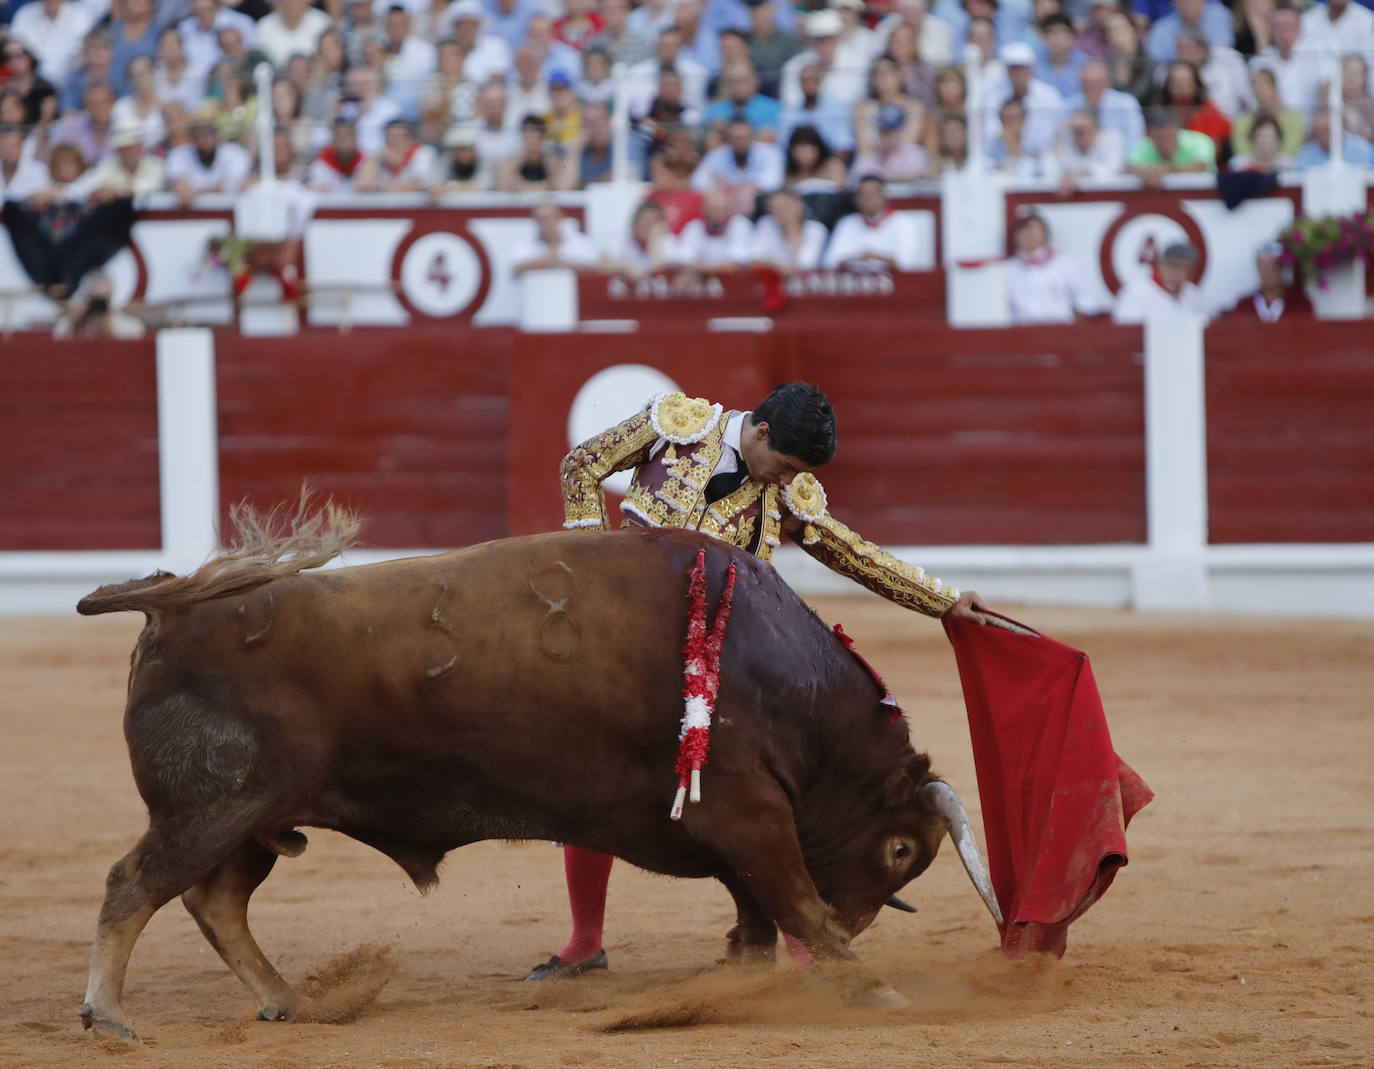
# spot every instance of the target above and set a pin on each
(683, 420)
(805, 497)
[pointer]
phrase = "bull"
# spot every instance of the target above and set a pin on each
(522, 689)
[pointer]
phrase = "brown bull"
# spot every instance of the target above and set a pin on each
(522, 689)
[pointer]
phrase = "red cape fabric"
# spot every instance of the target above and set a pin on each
(1056, 798)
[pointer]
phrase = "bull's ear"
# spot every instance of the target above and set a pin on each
(903, 784)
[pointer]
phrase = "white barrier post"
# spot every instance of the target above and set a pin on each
(548, 299)
(187, 446)
(1173, 574)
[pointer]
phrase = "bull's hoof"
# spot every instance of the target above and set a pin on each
(883, 998)
(118, 1028)
(276, 1013)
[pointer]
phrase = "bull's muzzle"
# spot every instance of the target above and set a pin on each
(942, 797)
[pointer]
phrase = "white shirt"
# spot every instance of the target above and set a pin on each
(1352, 32)
(30, 177)
(697, 247)
(1104, 159)
(227, 171)
(771, 247)
(188, 92)
(1227, 81)
(280, 43)
(574, 247)
(414, 62)
(628, 253)
(1047, 288)
(848, 84)
(1142, 298)
(201, 47)
(1297, 78)
(149, 177)
(934, 44)
(521, 102)
(642, 83)
(763, 166)
(151, 126)
(855, 238)
(420, 165)
(1045, 113)
(490, 58)
(55, 42)
(730, 452)
(371, 125)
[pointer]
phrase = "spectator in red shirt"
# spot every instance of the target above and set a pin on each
(1277, 298)
(1183, 91)
(581, 23)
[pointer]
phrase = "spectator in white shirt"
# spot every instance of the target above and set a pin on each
(403, 165)
(1042, 285)
(461, 169)
(199, 32)
(1336, 28)
(556, 242)
(785, 240)
(495, 140)
(174, 78)
(742, 167)
(206, 165)
(1167, 290)
(1085, 150)
(1299, 72)
(642, 78)
(934, 36)
(872, 238)
(846, 84)
(487, 55)
(371, 111)
(527, 91)
(857, 46)
(141, 108)
(409, 59)
(717, 243)
(21, 176)
(644, 250)
(53, 30)
(1044, 107)
(1112, 109)
(293, 27)
(338, 163)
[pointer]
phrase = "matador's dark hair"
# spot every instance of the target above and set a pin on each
(800, 421)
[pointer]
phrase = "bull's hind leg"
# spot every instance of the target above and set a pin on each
(123, 914)
(219, 904)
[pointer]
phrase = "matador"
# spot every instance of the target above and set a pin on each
(746, 478)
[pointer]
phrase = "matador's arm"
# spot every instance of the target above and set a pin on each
(672, 416)
(844, 551)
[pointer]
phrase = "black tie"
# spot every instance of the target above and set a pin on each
(727, 482)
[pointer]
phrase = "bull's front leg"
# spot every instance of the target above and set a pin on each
(749, 822)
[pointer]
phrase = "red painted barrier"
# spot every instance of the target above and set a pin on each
(78, 445)
(1290, 432)
(409, 427)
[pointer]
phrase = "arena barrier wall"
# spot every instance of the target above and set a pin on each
(1076, 465)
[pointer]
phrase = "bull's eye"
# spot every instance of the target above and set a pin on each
(900, 851)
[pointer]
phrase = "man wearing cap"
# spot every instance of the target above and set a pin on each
(486, 55)
(1166, 149)
(206, 165)
(1209, 18)
(1276, 297)
(293, 27)
(848, 85)
(130, 172)
(740, 99)
(1043, 105)
(564, 117)
(873, 238)
(895, 158)
(1111, 108)
(1166, 290)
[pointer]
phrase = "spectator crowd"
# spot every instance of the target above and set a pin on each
(761, 112)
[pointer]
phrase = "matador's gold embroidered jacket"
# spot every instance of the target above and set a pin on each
(668, 489)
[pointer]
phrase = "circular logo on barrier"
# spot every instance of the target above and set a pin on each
(440, 274)
(609, 396)
(1134, 242)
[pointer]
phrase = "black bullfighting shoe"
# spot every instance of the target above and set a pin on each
(558, 969)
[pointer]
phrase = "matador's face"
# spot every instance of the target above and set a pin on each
(765, 463)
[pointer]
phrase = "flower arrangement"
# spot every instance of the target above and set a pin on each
(228, 251)
(1315, 246)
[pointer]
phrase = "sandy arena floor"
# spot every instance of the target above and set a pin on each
(1239, 935)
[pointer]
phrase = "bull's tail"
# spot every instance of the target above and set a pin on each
(267, 546)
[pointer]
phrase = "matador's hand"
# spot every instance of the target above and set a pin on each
(969, 607)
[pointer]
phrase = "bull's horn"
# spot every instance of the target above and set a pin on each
(949, 807)
(897, 903)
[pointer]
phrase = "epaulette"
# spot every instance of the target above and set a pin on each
(681, 419)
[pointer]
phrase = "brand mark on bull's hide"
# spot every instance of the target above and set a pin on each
(554, 585)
